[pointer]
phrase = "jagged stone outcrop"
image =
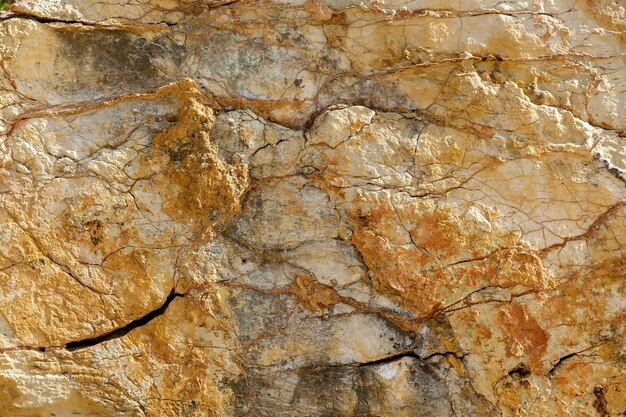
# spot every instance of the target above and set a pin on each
(312, 208)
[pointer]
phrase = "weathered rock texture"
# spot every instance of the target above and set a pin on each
(313, 208)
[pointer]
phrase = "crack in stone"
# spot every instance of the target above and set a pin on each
(122, 331)
(410, 354)
(311, 292)
(391, 358)
(407, 353)
(565, 358)
(114, 24)
(595, 226)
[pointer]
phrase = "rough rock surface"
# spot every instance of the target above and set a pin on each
(313, 208)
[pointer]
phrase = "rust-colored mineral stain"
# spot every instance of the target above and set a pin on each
(523, 328)
(397, 273)
(199, 188)
(440, 233)
(314, 295)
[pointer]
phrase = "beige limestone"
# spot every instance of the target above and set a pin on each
(312, 208)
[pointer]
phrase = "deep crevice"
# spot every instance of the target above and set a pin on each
(88, 23)
(42, 19)
(122, 331)
(9, 14)
(392, 358)
(560, 361)
(410, 354)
